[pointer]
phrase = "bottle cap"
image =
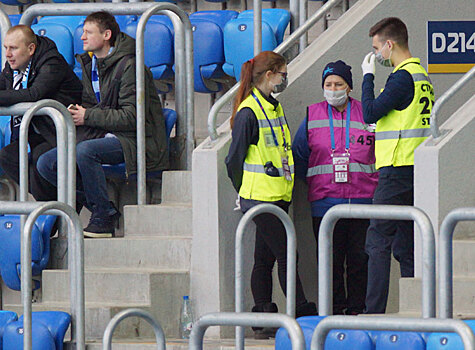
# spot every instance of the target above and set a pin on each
(185, 297)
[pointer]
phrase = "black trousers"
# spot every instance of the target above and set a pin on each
(384, 236)
(271, 245)
(41, 189)
(348, 246)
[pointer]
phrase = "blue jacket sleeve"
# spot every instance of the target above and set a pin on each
(301, 151)
(398, 94)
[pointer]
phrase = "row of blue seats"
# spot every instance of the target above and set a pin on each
(223, 41)
(48, 330)
(372, 340)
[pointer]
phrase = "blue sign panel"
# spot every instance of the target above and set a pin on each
(451, 46)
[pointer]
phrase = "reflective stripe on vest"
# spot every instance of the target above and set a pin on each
(400, 132)
(338, 123)
(256, 184)
(354, 168)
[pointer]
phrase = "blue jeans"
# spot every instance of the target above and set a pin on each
(91, 180)
(395, 186)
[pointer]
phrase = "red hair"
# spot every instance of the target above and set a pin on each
(252, 72)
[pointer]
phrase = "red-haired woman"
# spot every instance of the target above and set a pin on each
(260, 165)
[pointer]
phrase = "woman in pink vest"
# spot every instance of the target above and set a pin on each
(334, 152)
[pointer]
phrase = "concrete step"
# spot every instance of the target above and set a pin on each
(164, 252)
(176, 186)
(464, 296)
(464, 261)
(118, 285)
(178, 344)
(168, 219)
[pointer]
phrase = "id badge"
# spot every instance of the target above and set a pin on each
(269, 140)
(286, 168)
(341, 165)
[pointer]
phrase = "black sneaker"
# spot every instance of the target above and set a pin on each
(264, 332)
(100, 227)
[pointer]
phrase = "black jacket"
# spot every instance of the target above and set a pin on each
(50, 77)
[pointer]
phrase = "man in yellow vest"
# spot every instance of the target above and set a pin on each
(402, 114)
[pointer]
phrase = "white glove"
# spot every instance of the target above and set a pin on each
(368, 64)
(238, 204)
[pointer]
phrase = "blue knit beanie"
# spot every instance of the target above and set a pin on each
(338, 68)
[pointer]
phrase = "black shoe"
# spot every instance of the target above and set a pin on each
(100, 227)
(307, 309)
(266, 332)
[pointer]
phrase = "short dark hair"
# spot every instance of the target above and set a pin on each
(391, 28)
(105, 21)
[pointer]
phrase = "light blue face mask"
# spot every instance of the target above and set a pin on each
(385, 62)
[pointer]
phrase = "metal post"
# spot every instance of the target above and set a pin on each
(391, 324)
(114, 322)
(387, 212)
(291, 260)
(283, 47)
(35, 209)
(294, 14)
(246, 319)
(5, 24)
(445, 258)
(184, 82)
(257, 8)
(183, 78)
(303, 4)
(434, 126)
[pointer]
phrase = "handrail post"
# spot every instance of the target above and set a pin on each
(184, 82)
(391, 324)
(291, 260)
(257, 8)
(5, 24)
(246, 319)
(434, 126)
(365, 211)
(446, 260)
(33, 210)
(114, 322)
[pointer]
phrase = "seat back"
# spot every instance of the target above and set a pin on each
(220, 17)
(10, 250)
(307, 324)
(62, 37)
(390, 340)
(5, 318)
(348, 339)
(239, 43)
(48, 330)
(15, 2)
(278, 19)
(70, 22)
(124, 20)
(447, 341)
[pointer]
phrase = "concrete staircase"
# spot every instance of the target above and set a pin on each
(464, 285)
(147, 268)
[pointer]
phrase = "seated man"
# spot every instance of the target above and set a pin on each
(34, 70)
(108, 104)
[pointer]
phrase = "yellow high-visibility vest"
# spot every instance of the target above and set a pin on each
(400, 132)
(256, 184)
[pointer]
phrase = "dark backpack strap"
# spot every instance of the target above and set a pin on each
(111, 100)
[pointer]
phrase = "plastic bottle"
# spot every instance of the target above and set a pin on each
(186, 318)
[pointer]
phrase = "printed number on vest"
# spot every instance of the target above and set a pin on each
(361, 139)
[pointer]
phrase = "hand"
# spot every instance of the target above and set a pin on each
(77, 112)
(368, 64)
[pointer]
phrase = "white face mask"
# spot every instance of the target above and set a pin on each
(385, 62)
(335, 98)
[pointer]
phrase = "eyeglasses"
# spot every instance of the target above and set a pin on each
(284, 74)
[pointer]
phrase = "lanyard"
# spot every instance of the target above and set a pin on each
(332, 134)
(270, 125)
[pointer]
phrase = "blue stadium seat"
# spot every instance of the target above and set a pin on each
(5, 318)
(308, 325)
(77, 49)
(159, 55)
(117, 172)
(48, 330)
(61, 35)
(390, 340)
(15, 2)
(5, 130)
(15, 19)
(208, 48)
(124, 20)
(278, 19)
(70, 22)
(239, 43)
(447, 341)
(10, 251)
